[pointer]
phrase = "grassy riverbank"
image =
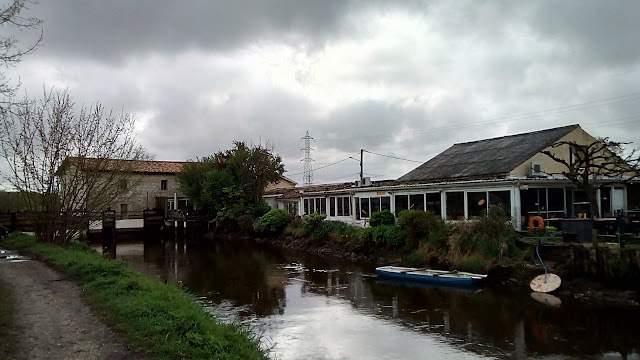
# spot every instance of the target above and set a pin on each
(7, 330)
(159, 318)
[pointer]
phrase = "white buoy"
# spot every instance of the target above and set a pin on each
(545, 283)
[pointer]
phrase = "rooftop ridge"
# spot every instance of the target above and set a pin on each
(574, 126)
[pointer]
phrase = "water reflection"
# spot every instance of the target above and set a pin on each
(313, 308)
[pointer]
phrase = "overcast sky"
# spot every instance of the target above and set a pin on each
(400, 78)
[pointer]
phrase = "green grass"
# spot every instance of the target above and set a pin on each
(159, 318)
(7, 328)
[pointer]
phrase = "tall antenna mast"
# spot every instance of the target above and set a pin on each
(308, 169)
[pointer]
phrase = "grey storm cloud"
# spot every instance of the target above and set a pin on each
(116, 29)
(401, 78)
(598, 31)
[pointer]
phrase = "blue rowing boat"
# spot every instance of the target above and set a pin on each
(432, 276)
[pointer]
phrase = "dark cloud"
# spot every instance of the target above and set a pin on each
(405, 79)
(601, 32)
(119, 29)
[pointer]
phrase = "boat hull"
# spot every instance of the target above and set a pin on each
(430, 276)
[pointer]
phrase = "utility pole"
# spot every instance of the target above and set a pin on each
(307, 178)
(361, 169)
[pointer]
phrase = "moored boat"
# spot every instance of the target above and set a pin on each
(428, 275)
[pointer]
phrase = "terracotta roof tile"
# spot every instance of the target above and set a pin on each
(138, 166)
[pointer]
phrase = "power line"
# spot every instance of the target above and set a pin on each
(322, 167)
(393, 157)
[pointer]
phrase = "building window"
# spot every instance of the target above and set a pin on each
(364, 208)
(433, 203)
(605, 202)
(402, 203)
(315, 205)
(332, 206)
(375, 204)
(385, 203)
(503, 200)
(344, 205)
(372, 205)
(122, 184)
(416, 202)
(548, 203)
(476, 204)
(291, 207)
(455, 205)
(163, 184)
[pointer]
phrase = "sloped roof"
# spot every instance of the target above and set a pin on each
(486, 158)
(136, 166)
(293, 193)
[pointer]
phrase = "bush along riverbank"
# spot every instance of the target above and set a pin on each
(159, 318)
(416, 238)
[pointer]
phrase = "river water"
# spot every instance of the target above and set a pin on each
(309, 307)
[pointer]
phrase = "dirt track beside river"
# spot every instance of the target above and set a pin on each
(51, 319)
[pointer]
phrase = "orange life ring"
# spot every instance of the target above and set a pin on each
(540, 221)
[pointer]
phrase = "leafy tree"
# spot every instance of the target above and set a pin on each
(68, 165)
(230, 183)
(593, 165)
(253, 168)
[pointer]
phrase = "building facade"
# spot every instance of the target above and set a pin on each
(463, 181)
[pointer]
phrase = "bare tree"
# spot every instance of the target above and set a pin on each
(11, 18)
(69, 165)
(599, 163)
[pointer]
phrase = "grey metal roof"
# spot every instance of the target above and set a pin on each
(486, 158)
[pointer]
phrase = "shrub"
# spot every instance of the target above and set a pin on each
(325, 229)
(295, 228)
(312, 222)
(273, 221)
(382, 218)
(383, 235)
(492, 236)
(416, 225)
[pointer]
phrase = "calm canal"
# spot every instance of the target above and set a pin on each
(308, 307)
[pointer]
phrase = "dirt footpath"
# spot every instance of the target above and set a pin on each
(51, 319)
